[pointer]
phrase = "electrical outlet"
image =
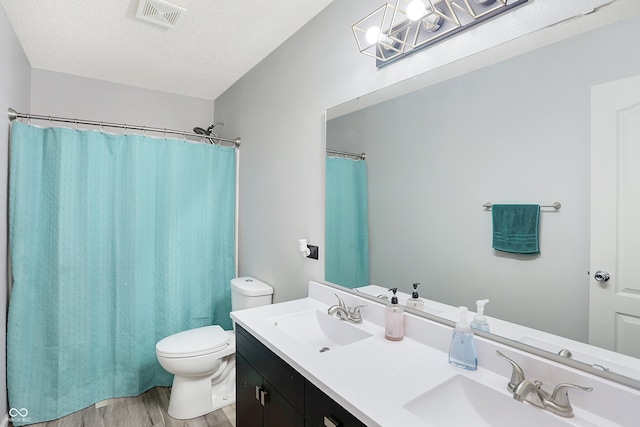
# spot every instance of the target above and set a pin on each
(314, 252)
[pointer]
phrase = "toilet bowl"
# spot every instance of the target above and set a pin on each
(202, 360)
(198, 358)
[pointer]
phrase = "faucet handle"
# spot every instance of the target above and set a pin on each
(517, 374)
(560, 395)
(354, 313)
(340, 302)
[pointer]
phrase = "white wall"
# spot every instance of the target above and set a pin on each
(15, 73)
(278, 110)
(64, 95)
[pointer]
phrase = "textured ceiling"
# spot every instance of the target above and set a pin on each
(214, 44)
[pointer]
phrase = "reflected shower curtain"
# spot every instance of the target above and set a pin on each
(117, 241)
(347, 223)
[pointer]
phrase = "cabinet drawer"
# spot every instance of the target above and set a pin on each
(275, 370)
(319, 405)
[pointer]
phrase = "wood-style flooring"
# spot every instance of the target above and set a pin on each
(148, 409)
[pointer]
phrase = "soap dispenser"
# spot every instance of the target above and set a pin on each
(479, 321)
(414, 301)
(394, 319)
(462, 352)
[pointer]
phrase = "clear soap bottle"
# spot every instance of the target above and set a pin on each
(394, 319)
(462, 352)
(479, 321)
(414, 301)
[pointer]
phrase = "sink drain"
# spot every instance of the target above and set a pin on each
(323, 349)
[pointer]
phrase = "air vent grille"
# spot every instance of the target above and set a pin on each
(160, 12)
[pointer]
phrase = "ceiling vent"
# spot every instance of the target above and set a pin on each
(160, 12)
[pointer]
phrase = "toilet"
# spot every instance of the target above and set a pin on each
(202, 360)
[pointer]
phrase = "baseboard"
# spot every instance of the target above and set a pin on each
(5, 421)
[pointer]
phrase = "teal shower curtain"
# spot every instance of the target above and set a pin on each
(117, 241)
(347, 223)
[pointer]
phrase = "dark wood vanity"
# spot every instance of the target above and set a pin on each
(269, 392)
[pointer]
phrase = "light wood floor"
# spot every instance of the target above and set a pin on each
(148, 409)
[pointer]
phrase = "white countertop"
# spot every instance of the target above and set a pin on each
(373, 378)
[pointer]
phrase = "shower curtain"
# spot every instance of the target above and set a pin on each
(117, 241)
(347, 223)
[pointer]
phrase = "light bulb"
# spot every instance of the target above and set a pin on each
(416, 10)
(372, 35)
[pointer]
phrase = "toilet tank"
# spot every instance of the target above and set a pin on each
(248, 292)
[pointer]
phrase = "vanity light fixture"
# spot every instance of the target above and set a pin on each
(375, 34)
(394, 31)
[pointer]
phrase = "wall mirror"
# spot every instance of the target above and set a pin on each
(517, 131)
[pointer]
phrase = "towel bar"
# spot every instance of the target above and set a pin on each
(555, 205)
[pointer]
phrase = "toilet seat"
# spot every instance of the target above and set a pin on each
(194, 342)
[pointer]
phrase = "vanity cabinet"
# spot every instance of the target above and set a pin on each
(322, 411)
(258, 403)
(271, 393)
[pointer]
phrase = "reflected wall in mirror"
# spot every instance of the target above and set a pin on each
(515, 132)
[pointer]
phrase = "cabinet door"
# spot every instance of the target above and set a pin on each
(273, 369)
(278, 412)
(249, 410)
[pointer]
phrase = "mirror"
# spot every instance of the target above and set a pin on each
(517, 131)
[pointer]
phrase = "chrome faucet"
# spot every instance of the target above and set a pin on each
(341, 311)
(524, 390)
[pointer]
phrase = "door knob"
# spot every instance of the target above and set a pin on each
(601, 276)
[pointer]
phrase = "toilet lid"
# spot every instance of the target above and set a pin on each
(194, 342)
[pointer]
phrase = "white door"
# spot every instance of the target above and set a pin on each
(614, 304)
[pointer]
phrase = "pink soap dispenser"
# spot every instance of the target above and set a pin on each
(394, 319)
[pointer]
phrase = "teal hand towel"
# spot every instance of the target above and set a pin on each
(515, 228)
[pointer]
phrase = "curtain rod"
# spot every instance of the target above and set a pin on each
(13, 115)
(355, 156)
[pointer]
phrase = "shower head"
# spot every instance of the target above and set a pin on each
(208, 131)
(201, 131)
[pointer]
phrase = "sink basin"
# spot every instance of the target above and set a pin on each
(461, 401)
(318, 330)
